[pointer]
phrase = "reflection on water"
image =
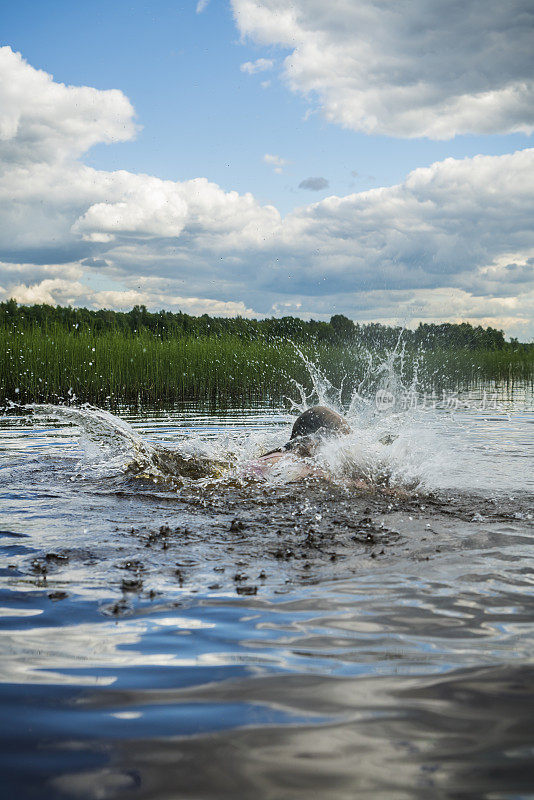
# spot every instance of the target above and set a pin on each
(168, 636)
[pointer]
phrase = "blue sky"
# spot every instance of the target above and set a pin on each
(199, 115)
(202, 116)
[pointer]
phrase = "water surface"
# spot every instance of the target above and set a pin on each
(177, 630)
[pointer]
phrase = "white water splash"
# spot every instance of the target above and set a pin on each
(386, 447)
(404, 438)
(394, 443)
(108, 443)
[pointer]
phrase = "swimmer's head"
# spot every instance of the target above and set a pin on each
(312, 426)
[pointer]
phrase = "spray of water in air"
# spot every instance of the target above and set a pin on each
(391, 444)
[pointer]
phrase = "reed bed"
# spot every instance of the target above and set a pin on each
(114, 368)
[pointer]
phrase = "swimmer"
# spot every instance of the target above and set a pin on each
(310, 429)
(313, 427)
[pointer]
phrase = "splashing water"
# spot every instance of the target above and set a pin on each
(398, 439)
(110, 446)
(391, 443)
(105, 438)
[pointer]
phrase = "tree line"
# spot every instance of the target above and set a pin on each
(340, 330)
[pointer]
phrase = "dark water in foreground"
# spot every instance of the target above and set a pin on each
(216, 637)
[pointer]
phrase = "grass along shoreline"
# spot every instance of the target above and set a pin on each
(112, 368)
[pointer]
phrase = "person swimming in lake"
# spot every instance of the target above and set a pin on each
(311, 428)
(294, 460)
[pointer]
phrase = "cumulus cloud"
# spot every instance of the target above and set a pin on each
(314, 184)
(276, 162)
(260, 65)
(41, 120)
(452, 240)
(56, 209)
(417, 68)
(60, 291)
(52, 292)
(442, 224)
(145, 207)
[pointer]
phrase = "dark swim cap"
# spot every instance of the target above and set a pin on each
(319, 419)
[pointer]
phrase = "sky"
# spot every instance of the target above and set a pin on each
(227, 157)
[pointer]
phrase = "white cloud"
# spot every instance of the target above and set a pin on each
(275, 161)
(453, 239)
(260, 65)
(440, 226)
(202, 5)
(51, 203)
(52, 292)
(64, 292)
(35, 273)
(157, 300)
(144, 207)
(41, 120)
(417, 68)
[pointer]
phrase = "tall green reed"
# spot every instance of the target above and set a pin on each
(114, 368)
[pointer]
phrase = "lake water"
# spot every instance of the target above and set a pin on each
(176, 629)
